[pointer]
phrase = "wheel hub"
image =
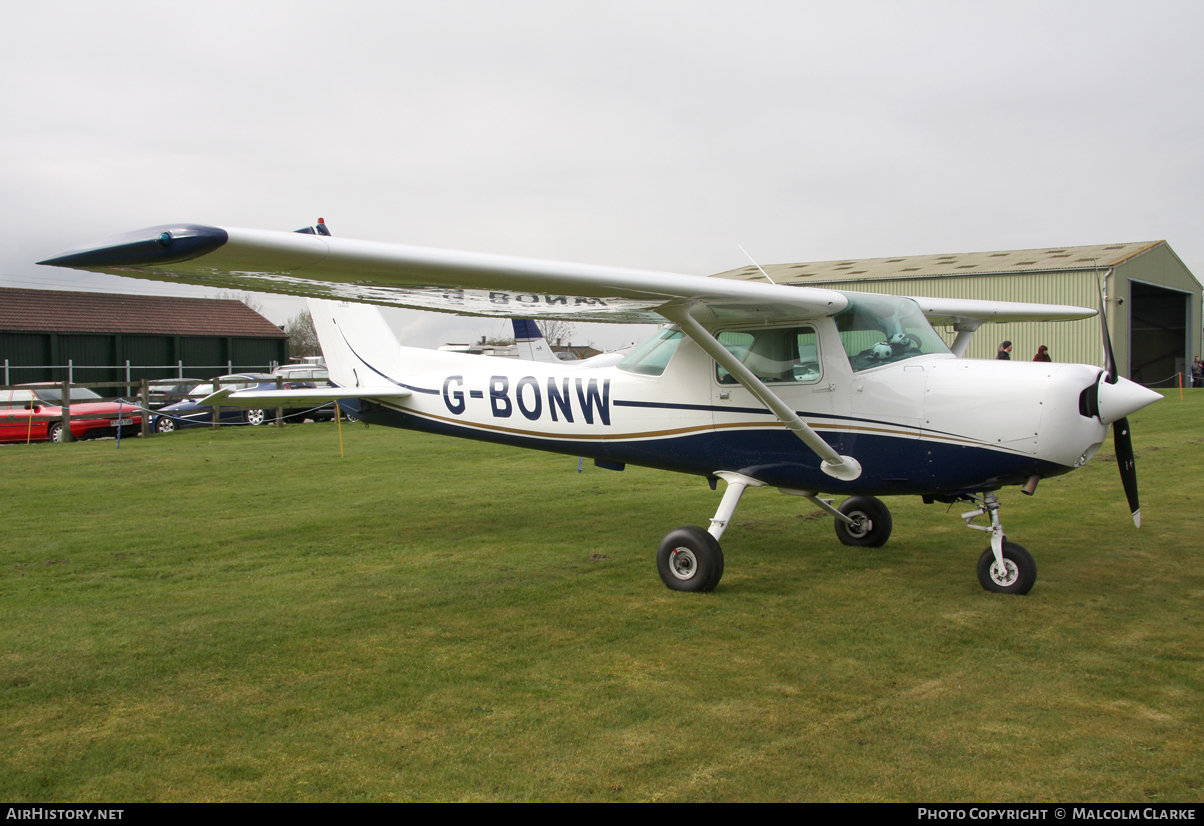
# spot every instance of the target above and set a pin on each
(683, 563)
(861, 526)
(1005, 576)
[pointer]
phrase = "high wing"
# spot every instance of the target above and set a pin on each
(431, 279)
(467, 283)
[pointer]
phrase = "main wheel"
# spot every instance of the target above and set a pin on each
(872, 524)
(1017, 576)
(55, 432)
(165, 424)
(255, 416)
(689, 559)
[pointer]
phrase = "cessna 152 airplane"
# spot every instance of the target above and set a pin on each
(807, 390)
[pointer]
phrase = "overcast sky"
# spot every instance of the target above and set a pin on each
(658, 135)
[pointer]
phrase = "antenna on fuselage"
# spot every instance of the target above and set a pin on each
(758, 266)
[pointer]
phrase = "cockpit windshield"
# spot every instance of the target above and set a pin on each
(651, 357)
(883, 329)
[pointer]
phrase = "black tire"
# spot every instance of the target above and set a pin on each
(55, 432)
(1020, 572)
(165, 424)
(873, 522)
(689, 559)
(255, 416)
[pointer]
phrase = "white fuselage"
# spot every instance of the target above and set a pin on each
(932, 424)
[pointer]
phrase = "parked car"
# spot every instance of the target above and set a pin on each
(169, 391)
(311, 372)
(304, 372)
(191, 413)
(34, 412)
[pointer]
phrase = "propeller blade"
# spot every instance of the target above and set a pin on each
(1103, 319)
(1122, 439)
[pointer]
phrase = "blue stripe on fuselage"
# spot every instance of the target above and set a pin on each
(774, 456)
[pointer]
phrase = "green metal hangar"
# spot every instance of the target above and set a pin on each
(1153, 299)
(45, 334)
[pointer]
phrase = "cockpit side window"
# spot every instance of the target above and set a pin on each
(880, 329)
(773, 354)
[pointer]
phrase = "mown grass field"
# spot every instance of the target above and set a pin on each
(246, 616)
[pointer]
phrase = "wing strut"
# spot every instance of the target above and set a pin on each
(845, 468)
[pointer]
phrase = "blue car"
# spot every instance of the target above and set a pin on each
(190, 413)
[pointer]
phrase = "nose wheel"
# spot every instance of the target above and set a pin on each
(1015, 575)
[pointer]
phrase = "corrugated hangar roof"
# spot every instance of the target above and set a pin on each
(77, 312)
(965, 263)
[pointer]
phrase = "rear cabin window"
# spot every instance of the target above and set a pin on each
(773, 354)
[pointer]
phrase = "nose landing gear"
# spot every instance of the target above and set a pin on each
(1005, 567)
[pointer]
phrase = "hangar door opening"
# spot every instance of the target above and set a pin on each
(1158, 344)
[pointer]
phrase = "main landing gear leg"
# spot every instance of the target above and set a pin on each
(1005, 567)
(689, 558)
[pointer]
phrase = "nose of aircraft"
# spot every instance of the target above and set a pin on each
(1116, 401)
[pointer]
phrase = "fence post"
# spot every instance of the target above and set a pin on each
(279, 410)
(127, 377)
(146, 407)
(217, 419)
(180, 363)
(6, 381)
(66, 386)
(70, 370)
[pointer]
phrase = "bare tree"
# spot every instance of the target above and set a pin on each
(302, 337)
(557, 332)
(246, 298)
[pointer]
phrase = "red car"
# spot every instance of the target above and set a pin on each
(33, 413)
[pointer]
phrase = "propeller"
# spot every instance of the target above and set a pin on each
(1109, 399)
